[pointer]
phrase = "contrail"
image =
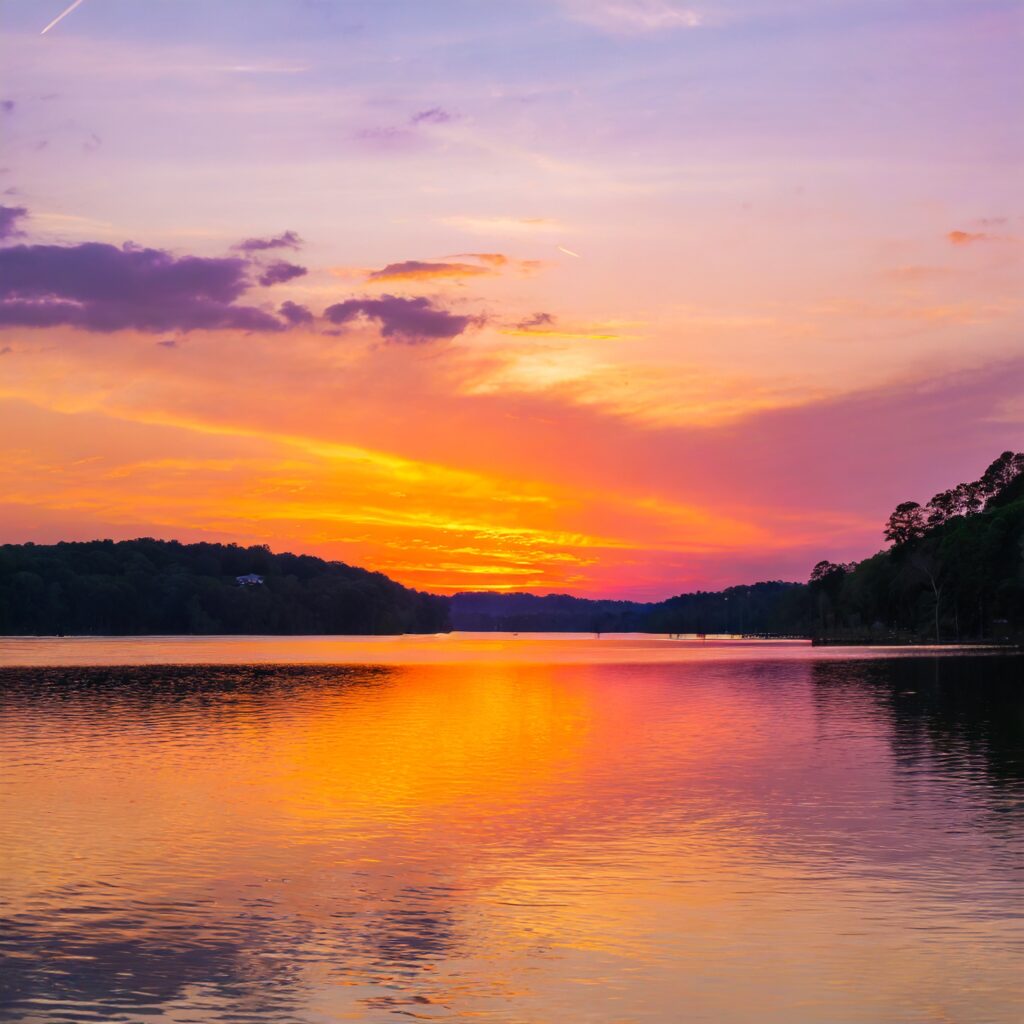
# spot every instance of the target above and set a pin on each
(560, 248)
(61, 17)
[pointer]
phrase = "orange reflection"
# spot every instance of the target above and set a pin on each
(561, 841)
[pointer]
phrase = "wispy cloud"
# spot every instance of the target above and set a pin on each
(422, 270)
(633, 16)
(547, 325)
(486, 264)
(502, 225)
(968, 237)
(435, 115)
(286, 240)
(536, 320)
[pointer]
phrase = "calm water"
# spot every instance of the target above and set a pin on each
(510, 829)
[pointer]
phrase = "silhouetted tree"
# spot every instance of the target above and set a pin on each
(907, 523)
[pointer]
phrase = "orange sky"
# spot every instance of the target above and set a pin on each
(714, 294)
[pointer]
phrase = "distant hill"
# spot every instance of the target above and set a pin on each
(759, 608)
(555, 613)
(150, 586)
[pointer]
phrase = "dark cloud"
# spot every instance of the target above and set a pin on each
(418, 270)
(278, 273)
(409, 321)
(7, 106)
(168, 343)
(537, 320)
(100, 287)
(286, 240)
(294, 314)
(10, 217)
(435, 115)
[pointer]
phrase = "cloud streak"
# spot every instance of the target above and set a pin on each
(969, 237)
(487, 264)
(435, 115)
(286, 240)
(422, 270)
(531, 323)
(634, 16)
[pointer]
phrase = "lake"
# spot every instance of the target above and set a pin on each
(492, 828)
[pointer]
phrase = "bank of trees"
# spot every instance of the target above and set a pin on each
(955, 569)
(163, 587)
(771, 607)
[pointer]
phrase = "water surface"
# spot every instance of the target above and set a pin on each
(431, 649)
(544, 831)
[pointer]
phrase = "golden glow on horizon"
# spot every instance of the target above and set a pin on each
(431, 526)
(428, 525)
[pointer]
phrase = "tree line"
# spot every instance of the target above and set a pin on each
(148, 586)
(954, 571)
(757, 608)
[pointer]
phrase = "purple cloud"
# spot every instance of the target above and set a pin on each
(408, 321)
(435, 115)
(295, 314)
(278, 273)
(10, 216)
(286, 240)
(7, 106)
(100, 287)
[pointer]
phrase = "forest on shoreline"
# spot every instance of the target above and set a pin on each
(954, 571)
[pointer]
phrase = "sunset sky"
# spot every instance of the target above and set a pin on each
(608, 297)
